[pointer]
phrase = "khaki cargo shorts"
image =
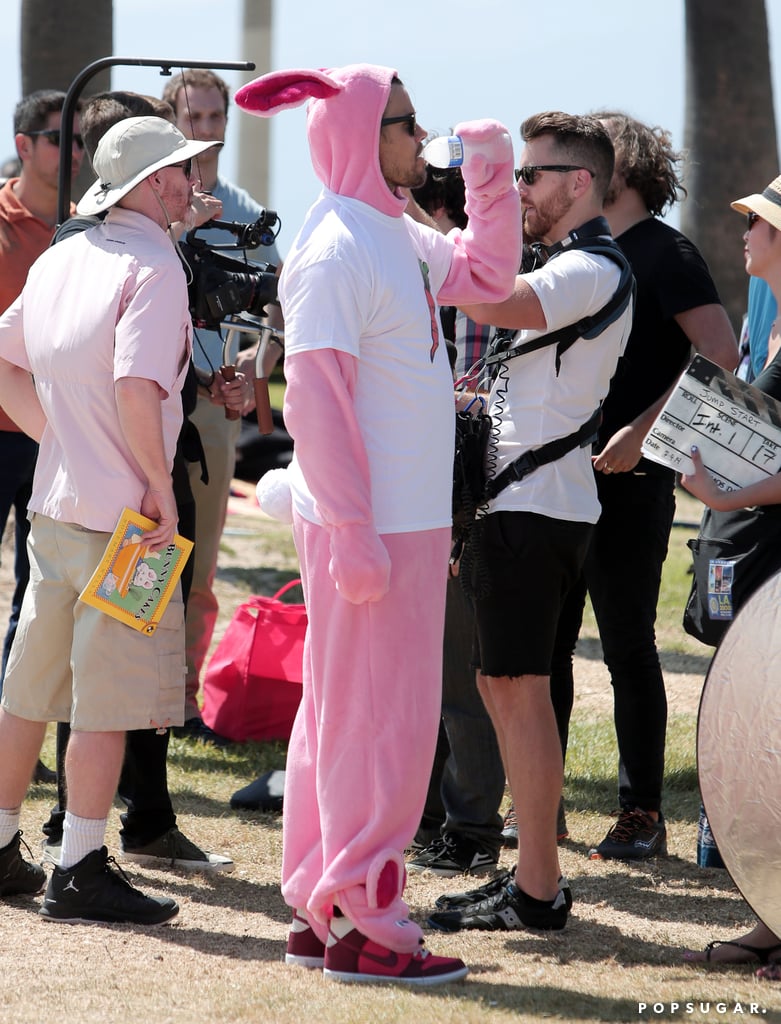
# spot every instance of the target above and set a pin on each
(72, 663)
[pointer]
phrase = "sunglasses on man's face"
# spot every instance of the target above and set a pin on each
(410, 120)
(751, 219)
(53, 136)
(528, 175)
(186, 166)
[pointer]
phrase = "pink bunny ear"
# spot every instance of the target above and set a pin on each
(281, 90)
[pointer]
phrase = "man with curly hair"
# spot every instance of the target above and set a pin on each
(677, 308)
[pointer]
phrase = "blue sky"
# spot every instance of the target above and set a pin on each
(508, 60)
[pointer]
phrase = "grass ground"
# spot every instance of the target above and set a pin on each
(221, 962)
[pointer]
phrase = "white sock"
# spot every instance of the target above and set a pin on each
(339, 927)
(80, 836)
(9, 824)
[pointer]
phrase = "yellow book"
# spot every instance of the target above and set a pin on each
(132, 583)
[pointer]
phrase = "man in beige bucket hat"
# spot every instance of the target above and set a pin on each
(131, 152)
(93, 354)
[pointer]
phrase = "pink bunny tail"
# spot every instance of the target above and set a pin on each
(282, 90)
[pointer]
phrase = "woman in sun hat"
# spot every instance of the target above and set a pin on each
(762, 254)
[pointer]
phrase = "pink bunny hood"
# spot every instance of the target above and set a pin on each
(343, 124)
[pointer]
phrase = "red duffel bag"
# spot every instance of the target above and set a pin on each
(252, 684)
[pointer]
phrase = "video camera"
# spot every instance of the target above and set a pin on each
(221, 285)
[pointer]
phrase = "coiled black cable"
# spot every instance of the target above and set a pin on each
(473, 571)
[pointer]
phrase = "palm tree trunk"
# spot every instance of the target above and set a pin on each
(58, 40)
(730, 132)
(255, 132)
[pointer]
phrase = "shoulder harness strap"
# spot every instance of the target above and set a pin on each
(584, 436)
(593, 237)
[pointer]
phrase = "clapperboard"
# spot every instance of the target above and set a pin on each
(736, 427)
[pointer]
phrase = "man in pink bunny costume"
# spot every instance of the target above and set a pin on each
(370, 406)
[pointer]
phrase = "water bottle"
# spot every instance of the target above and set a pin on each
(452, 150)
(708, 855)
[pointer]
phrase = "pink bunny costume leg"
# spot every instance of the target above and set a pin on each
(372, 507)
(362, 745)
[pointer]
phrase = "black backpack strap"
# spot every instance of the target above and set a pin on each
(588, 327)
(531, 460)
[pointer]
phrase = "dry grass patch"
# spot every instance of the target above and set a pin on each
(220, 962)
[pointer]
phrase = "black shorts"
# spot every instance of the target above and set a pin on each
(530, 563)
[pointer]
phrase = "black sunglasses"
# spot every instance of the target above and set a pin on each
(187, 167)
(528, 175)
(410, 120)
(751, 219)
(53, 136)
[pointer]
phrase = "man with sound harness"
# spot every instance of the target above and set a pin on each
(531, 536)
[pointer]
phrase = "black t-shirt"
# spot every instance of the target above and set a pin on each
(672, 277)
(769, 380)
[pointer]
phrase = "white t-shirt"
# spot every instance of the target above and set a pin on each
(354, 282)
(534, 405)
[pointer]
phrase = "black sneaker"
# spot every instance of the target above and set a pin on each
(43, 775)
(511, 909)
(196, 729)
(634, 836)
(422, 839)
(415, 847)
(266, 793)
(454, 855)
(510, 827)
(174, 850)
(92, 891)
(18, 875)
(459, 900)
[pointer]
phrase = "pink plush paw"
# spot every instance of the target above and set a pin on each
(488, 171)
(360, 565)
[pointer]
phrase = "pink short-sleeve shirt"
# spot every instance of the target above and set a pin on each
(106, 304)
